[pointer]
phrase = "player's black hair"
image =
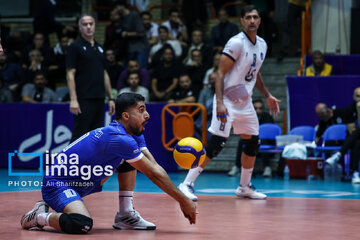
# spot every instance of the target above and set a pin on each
(258, 101)
(248, 8)
(164, 28)
(174, 10)
(146, 13)
(126, 100)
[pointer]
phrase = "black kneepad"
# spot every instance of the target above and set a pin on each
(215, 145)
(75, 223)
(125, 167)
(251, 146)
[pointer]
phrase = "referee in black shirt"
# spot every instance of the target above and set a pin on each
(87, 80)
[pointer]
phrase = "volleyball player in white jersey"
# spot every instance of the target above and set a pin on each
(237, 75)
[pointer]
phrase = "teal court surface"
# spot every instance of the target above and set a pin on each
(213, 184)
(295, 209)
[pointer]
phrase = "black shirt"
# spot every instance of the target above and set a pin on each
(165, 75)
(265, 117)
(89, 62)
(350, 113)
(182, 93)
(337, 118)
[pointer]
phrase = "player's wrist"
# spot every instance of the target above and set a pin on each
(111, 99)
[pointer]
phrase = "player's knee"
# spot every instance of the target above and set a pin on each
(125, 167)
(75, 223)
(215, 145)
(251, 146)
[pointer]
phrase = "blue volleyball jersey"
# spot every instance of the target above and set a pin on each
(93, 157)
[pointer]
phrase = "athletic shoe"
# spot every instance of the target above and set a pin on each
(334, 158)
(29, 220)
(267, 172)
(234, 171)
(355, 178)
(249, 192)
(132, 221)
(188, 190)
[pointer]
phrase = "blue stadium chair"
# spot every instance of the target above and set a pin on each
(269, 131)
(336, 132)
(308, 132)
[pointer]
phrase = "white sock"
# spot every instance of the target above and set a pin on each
(192, 175)
(246, 174)
(126, 201)
(43, 219)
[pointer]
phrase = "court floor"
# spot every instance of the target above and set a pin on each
(295, 209)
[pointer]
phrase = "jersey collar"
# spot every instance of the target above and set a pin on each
(249, 38)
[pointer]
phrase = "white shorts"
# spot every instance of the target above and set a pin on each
(242, 118)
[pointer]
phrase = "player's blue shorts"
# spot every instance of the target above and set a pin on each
(58, 196)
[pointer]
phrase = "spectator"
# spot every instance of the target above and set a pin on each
(196, 70)
(176, 27)
(184, 93)
(39, 44)
(133, 66)
(264, 117)
(164, 39)
(11, 74)
(198, 43)
(319, 67)
(351, 119)
(222, 32)
(133, 81)
(37, 92)
(60, 52)
(113, 67)
(194, 14)
(216, 60)
(87, 80)
(133, 31)
(206, 98)
(165, 76)
(16, 45)
(35, 64)
(44, 20)
(328, 116)
(352, 112)
(152, 29)
(113, 38)
(5, 94)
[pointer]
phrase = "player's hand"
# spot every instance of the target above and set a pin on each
(188, 207)
(273, 104)
(221, 112)
(75, 107)
(111, 108)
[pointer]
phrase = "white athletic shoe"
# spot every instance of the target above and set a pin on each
(334, 158)
(234, 171)
(188, 190)
(249, 192)
(132, 221)
(267, 172)
(355, 179)
(29, 220)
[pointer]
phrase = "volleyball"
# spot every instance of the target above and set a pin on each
(189, 153)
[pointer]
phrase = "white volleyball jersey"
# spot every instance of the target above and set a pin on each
(248, 58)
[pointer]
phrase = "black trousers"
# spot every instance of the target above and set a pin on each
(352, 142)
(91, 117)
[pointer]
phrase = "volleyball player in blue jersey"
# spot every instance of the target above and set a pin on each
(83, 166)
